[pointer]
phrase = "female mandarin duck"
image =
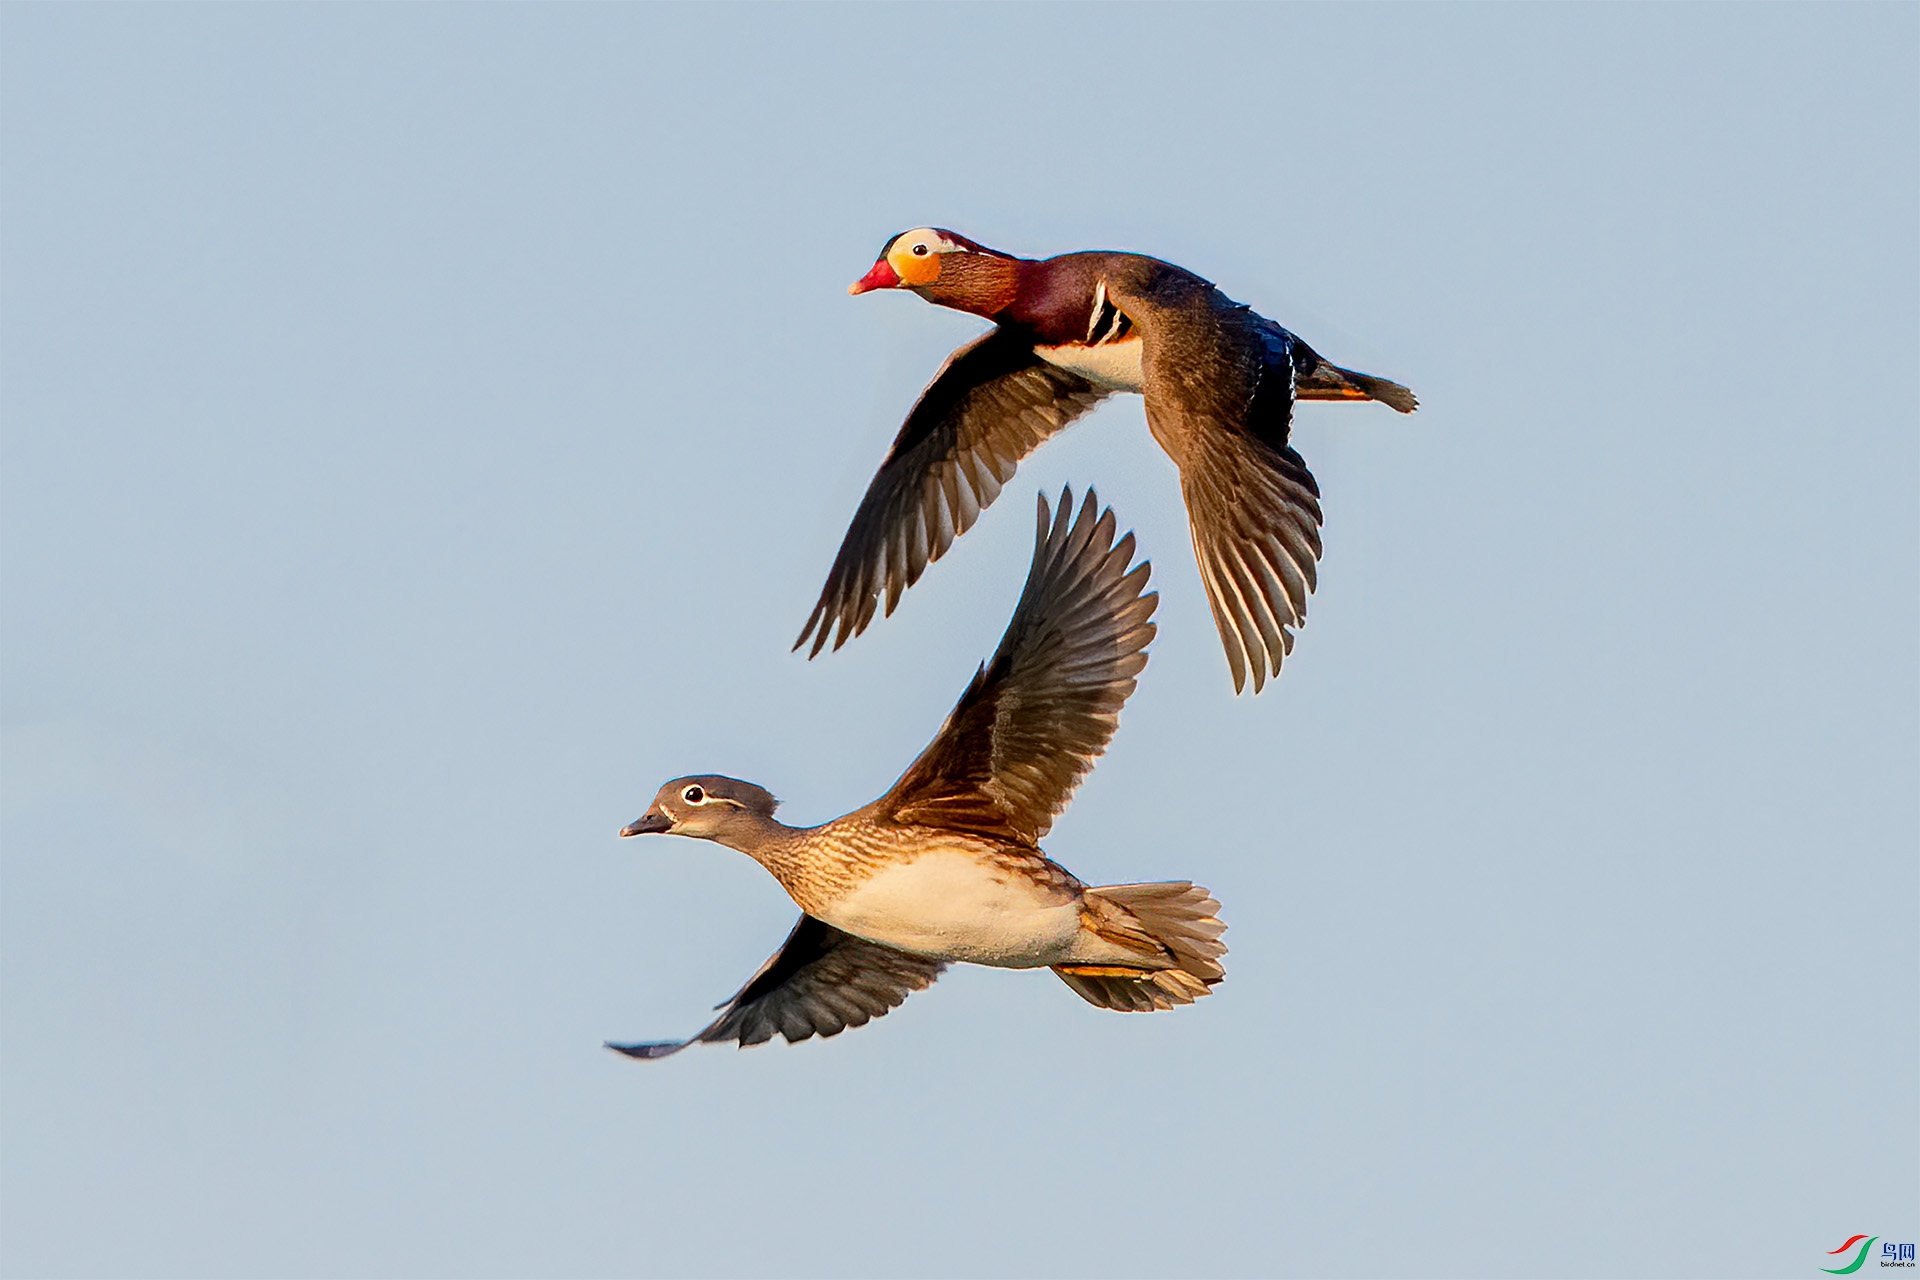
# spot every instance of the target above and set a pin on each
(947, 866)
(1220, 383)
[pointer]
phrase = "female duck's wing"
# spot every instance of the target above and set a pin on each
(819, 983)
(1220, 389)
(1036, 717)
(991, 404)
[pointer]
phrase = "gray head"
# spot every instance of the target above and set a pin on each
(707, 806)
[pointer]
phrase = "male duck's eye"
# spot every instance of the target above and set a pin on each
(693, 795)
(919, 251)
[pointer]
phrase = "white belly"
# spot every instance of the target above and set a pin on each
(1113, 365)
(952, 905)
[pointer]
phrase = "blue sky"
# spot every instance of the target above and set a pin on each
(426, 428)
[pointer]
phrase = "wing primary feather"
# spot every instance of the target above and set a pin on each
(1240, 604)
(649, 1052)
(819, 983)
(1217, 601)
(1224, 415)
(1039, 712)
(991, 403)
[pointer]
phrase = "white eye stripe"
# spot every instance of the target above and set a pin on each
(922, 241)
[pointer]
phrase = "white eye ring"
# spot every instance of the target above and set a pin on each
(694, 795)
(920, 251)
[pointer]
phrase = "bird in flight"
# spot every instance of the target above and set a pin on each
(946, 866)
(1220, 384)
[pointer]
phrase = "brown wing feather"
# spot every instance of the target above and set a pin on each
(820, 982)
(1255, 516)
(991, 404)
(1220, 393)
(1039, 714)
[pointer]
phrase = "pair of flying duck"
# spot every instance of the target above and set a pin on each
(946, 865)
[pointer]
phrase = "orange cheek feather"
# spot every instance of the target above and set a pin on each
(915, 270)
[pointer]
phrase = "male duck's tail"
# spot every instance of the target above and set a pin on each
(1330, 382)
(1176, 918)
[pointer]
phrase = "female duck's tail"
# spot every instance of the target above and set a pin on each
(1175, 918)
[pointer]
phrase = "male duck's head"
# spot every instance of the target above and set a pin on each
(706, 807)
(945, 267)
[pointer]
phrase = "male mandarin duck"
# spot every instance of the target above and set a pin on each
(1220, 384)
(947, 866)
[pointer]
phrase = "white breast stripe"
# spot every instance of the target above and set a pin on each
(1107, 323)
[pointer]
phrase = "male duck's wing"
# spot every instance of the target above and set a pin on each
(819, 983)
(1037, 716)
(991, 404)
(1220, 389)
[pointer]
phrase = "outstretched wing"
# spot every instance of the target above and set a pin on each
(991, 404)
(819, 983)
(1036, 718)
(1221, 402)
(1255, 515)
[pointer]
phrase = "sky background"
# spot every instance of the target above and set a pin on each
(427, 427)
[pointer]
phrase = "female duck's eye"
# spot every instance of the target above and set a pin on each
(920, 251)
(693, 795)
